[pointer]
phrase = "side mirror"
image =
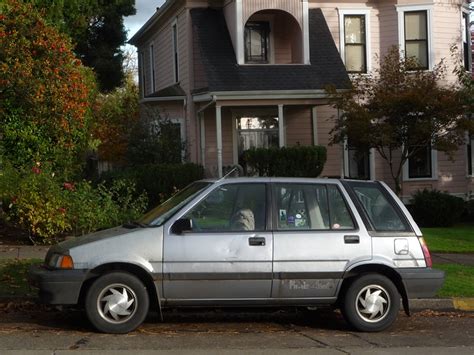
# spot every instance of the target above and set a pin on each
(182, 225)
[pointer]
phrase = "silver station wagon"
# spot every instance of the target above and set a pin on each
(249, 242)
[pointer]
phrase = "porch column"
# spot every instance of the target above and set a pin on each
(219, 140)
(281, 126)
(314, 117)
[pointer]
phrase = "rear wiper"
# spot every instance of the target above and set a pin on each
(134, 224)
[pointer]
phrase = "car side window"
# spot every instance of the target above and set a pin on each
(311, 207)
(229, 208)
(380, 211)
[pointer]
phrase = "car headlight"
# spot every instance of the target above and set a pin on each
(59, 261)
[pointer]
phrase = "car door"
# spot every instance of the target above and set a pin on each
(315, 238)
(227, 254)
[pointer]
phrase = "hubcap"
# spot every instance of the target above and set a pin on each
(373, 303)
(117, 303)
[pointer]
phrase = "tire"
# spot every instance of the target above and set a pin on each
(383, 303)
(128, 297)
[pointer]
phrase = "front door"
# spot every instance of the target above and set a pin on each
(315, 238)
(228, 253)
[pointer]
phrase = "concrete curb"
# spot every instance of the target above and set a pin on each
(443, 304)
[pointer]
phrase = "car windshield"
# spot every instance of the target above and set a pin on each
(161, 213)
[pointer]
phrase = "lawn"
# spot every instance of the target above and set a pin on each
(13, 278)
(459, 280)
(457, 239)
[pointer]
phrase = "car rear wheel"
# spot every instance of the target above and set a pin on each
(117, 303)
(371, 303)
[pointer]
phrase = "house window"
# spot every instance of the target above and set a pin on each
(470, 156)
(257, 132)
(466, 41)
(358, 164)
(355, 53)
(141, 68)
(175, 52)
(257, 42)
(416, 37)
(420, 163)
(152, 68)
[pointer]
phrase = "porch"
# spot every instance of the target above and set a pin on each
(227, 128)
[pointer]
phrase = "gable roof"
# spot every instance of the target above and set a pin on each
(213, 42)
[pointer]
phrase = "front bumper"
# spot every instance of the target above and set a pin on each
(57, 286)
(421, 282)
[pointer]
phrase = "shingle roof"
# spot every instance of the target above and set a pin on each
(173, 90)
(224, 74)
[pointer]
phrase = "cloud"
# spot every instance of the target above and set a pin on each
(145, 10)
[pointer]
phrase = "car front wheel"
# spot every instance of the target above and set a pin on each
(117, 303)
(371, 303)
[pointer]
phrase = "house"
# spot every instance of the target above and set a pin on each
(235, 74)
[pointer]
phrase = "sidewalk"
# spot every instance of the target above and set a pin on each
(465, 304)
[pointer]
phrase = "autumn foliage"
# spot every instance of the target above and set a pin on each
(45, 92)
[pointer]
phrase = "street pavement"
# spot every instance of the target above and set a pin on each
(29, 329)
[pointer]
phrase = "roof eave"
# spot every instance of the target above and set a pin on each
(263, 95)
(151, 22)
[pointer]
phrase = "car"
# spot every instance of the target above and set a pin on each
(249, 242)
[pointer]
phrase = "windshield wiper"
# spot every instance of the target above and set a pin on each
(134, 224)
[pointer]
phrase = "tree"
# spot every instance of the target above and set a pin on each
(115, 115)
(97, 31)
(45, 92)
(398, 110)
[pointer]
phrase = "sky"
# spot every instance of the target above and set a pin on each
(145, 9)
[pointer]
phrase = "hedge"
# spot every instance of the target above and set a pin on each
(297, 161)
(159, 181)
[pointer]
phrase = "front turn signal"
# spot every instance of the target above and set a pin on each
(66, 262)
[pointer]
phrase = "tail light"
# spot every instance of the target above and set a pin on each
(426, 252)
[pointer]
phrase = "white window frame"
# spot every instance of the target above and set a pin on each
(152, 68)
(434, 169)
(466, 11)
(368, 36)
(141, 73)
(346, 161)
(175, 49)
(401, 9)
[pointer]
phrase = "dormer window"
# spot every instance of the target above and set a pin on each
(257, 39)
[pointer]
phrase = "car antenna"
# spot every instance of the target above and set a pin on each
(237, 168)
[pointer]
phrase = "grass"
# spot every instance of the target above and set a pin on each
(457, 239)
(13, 278)
(459, 280)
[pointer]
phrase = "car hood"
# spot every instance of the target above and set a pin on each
(137, 246)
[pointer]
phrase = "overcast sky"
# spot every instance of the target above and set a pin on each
(145, 9)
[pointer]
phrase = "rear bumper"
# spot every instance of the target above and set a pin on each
(57, 286)
(421, 282)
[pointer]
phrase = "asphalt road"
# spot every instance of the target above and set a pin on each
(31, 329)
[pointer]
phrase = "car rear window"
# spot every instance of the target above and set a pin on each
(379, 207)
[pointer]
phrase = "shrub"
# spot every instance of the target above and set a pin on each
(159, 181)
(436, 209)
(468, 215)
(101, 207)
(48, 208)
(298, 161)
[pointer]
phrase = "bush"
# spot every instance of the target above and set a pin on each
(468, 215)
(298, 161)
(159, 181)
(436, 209)
(49, 208)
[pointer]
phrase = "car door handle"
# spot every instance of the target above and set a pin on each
(257, 241)
(351, 239)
